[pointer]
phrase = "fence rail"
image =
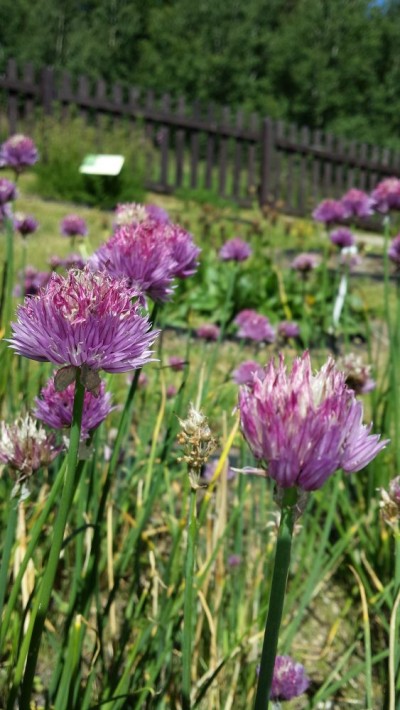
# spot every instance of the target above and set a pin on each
(237, 156)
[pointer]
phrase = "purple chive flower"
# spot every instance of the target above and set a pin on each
(329, 211)
(8, 191)
(73, 261)
(288, 329)
(150, 255)
(5, 213)
(34, 280)
(55, 261)
(137, 253)
(244, 374)
(55, 408)
(357, 204)
(254, 326)
(157, 214)
(234, 560)
(208, 331)
(235, 250)
(394, 251)
(304, 263)
(25, 224)
(342, 237)
(18, 152)
(183, 250)
(25, 447)
(73, 226)
(177, 363)
(171, 391)
(386, 195)
(303, 427)
(357, 374)
(84, 319)
(289, 679)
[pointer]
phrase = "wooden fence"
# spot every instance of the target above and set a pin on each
(237, 156)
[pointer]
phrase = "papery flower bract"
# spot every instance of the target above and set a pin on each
(8, 191)
(304, 263)
(235, 250)
(86, 319)
(342, 237)
(394, 490)
(18, 152)
(357, 374)
(288, 329)
(394, 251)
(55, 408)
(386, 195)
(329, 211)
(198, 443)
(244, 373)
(208, 331)
(254, 326)
(289, 679)
(73, 226)
(357, 204)
(130, 213)
(25, 446)
(303, 427)
(25, 224)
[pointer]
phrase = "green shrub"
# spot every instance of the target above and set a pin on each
(63, 144)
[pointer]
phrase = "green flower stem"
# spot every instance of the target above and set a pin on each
(277, 597)
(188, 603)
(9, 541)
(35, 534)
(33, 637)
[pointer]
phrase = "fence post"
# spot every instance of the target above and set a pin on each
(267, 146)
(47, 90)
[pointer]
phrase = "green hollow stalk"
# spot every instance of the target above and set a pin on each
(8, 544)
(188, 603)
(31, 644)
(34, 537)
(276, 599)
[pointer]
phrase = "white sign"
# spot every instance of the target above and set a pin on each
(102, 164)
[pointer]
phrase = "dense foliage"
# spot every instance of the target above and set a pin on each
(324, 64)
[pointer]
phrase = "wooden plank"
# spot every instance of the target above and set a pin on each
(304, 181)
(327, 166)
(374, 176)
(339, 170)
(100, 95)
(12, 104)
(210, 149)
(180, 145)
(277, 192)
(252, 160)
(65, 95)
(267, 147)
(237, 161)
(163, 135)
(291, 193)
(29, 105)
(83, 96)
(194, 148)
(316, 166)
(362, 176)
(149, 135)
(223, 153)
